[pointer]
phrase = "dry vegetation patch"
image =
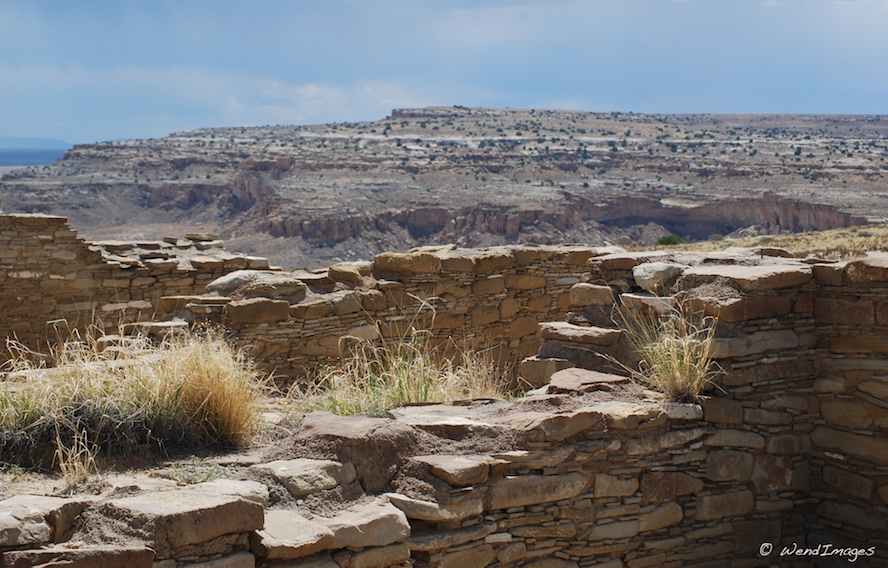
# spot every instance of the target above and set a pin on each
(373, 377)
(191, 392)
(833, 244)
(674, 350)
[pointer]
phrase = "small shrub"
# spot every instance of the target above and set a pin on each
(671, 240)
(376, 376)
(674, 351)
(192, 392)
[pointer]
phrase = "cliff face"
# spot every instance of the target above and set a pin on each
(308, 195)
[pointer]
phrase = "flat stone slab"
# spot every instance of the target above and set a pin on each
(584, 335)
(371, 445)
(245, 489)
(93, 556)
(455, 510)
(524, 490)
(183, 517)
(446, 421)
(37, 519)
(303, 477)
(750, 278)
(288, 535)
(457, 470)
(374, 523)
(581, 380)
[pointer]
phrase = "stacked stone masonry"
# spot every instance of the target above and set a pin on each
(586, 470)
(53, 282)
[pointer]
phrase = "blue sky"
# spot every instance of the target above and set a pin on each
(94, 70)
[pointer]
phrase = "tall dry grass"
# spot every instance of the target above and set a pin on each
(674, 350)
(374, 376)
(189, 392)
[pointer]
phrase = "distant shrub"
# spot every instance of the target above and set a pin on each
(670, 240)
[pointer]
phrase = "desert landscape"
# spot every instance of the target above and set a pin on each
(305, 196)
(451, 284)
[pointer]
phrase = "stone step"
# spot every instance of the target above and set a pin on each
(582, 335)
(157, 330)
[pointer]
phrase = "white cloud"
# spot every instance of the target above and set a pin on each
(226, 98)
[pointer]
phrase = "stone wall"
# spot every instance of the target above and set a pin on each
(53, 281)
(474, 298)
(790, 448)
(591, 479)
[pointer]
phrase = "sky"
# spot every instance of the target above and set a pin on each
(99, 70)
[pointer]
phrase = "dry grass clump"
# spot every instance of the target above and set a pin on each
(373, 377)
(833, 243)
(674, 350)
(189, 392)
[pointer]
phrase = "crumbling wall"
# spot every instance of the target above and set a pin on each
(53, 282)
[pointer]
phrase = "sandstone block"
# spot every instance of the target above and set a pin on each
(772, 473)
(720, 505)
(657, 277)
(848, 482)
(479, 555)
(493, 260)
(520, 491)
(92, 556)
(867, 448)
(583, 294)
(574, 380)
(854, 413)
(722, 410)
(667, 485)
(872, 268)
(458, 471)
(525, 282)
(376, 523)
(752, 343)
(485, 315)
(729, 465)
(570, 333)
(852, 515)
(767, 417)
(37, 519)
(456, 509)
(392, 555)
(428, 541)
(612, 486)
(349, 273)
(736, 439)
(788, 444)
(236, 560)
(303, 477)
(615, 530)
(749, 278)
(371, 445)
(185, 517)
(661, 517)
(842, 311)
(257, 310)
(406, 263)
(522, 327)
(537, 371)
(288, 535)
(489, 286)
